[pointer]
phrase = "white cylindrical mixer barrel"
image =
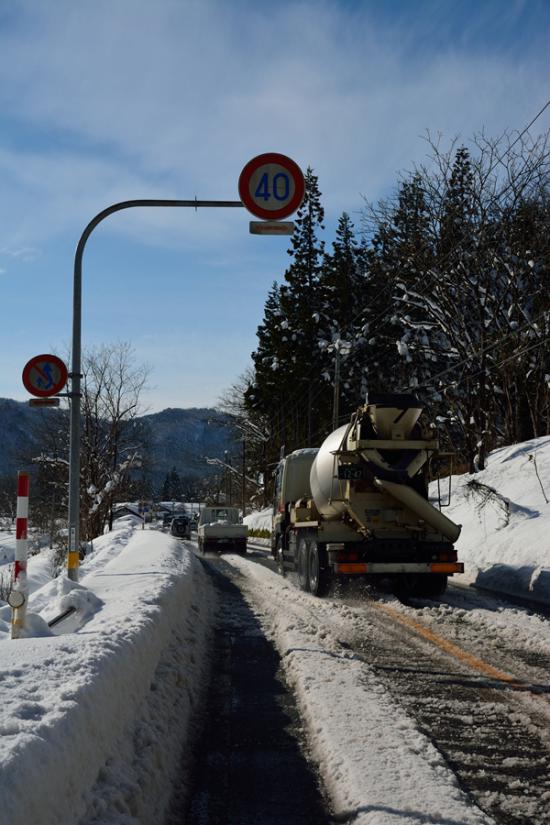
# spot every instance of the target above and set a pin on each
(327, 490)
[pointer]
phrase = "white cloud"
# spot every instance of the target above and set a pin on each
(24, 253)
(135, 99)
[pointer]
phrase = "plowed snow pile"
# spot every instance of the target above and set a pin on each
(92, 721)
(505, 539)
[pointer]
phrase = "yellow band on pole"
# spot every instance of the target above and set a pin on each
(73, 560)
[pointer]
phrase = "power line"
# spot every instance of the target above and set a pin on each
(452, 252)
(499, 364)
(500, 159)
(492, 368)
(480, 352)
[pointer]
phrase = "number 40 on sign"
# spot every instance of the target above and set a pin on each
(271, 186)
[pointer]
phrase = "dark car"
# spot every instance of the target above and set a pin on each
(181, 527)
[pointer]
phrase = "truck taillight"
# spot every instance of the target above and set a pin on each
(347, 555)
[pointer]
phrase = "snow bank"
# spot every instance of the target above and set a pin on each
(7, 547)
(39, 565)
(504, 543)
(259, 520)
(92, 721)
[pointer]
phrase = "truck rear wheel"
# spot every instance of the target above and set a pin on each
(318, 577)
(302, 565)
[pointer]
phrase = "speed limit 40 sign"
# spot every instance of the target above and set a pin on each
(271, 186)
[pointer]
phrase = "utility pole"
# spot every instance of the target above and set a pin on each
(229, 480)
(336, 398)
(266, 472)
(244, 479)
(340, 348)
(309, 405)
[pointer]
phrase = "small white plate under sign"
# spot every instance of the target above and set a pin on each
(44, 402)
(271, 227)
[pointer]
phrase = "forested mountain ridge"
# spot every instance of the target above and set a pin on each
(184, 438)
(18, 434)
(180, 438)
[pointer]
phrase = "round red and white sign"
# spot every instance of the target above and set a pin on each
(271, 186)
(44, 375)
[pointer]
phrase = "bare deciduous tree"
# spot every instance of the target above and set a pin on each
(473, 318)
(255, 429)
(112, 443)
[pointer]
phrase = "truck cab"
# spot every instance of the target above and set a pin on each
(291, 485)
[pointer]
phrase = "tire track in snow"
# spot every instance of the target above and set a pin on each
(490, 736)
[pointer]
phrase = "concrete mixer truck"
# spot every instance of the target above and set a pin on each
(359, 505)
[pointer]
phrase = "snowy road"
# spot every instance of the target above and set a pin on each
(475, 679)
(449, 697)
(250, 765)
(353, 709)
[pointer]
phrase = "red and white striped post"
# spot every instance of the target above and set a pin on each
(19, 590)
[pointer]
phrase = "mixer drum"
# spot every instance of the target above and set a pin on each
(327, 490)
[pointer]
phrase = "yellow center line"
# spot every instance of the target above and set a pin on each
(462, 655)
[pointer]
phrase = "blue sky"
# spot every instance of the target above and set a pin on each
(119, 99)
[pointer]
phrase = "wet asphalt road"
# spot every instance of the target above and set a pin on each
(250, 768)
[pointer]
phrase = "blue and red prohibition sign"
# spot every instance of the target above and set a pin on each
(44, 375)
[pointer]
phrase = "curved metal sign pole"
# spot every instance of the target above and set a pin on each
(75, 374)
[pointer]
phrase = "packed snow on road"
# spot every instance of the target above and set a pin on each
(98, 713)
